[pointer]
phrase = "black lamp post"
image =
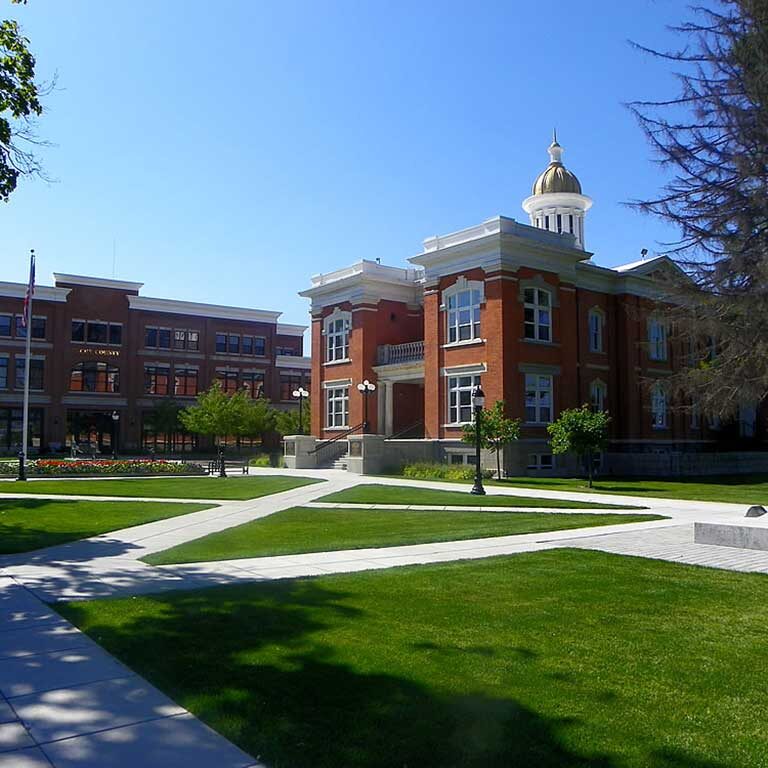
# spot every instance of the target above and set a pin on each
(22, 471)
(301, 393)
(115, 422)
(222, 468)
(478, 401)
(365, 389)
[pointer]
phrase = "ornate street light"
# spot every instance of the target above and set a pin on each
(115, 422)
(301, 393)
(478, 401)
(365, 389)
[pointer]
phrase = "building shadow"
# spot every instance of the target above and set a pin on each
(255, 663)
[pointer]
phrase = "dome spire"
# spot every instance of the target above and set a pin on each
(555, 150)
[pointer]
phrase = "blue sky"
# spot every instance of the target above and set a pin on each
(231, 149)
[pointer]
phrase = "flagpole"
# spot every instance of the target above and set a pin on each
(28, 322)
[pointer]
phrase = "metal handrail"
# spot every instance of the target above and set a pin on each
(419, 423)
(333, 439)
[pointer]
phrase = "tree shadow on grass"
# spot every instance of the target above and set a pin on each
(256, 663)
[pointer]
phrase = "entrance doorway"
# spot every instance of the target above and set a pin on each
(91, 431)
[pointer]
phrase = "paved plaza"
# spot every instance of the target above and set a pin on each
(65, 702)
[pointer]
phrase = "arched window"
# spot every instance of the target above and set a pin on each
(462, 305)
(658, 407)
(538, 314)
(336, 329)
(598, 394)
(596, 324)
(94, 377)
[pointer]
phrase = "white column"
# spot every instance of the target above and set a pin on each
(389, 419)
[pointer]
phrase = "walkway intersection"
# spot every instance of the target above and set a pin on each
(66, 703)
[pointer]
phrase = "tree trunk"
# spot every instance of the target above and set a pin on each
(589, 467)
(498, 465)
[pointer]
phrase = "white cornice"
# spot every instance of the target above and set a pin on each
(42, 292)
(285, 329)
(172, 306)
(96, 282)
(290, 361)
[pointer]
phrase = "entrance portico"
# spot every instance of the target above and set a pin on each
(401, 384)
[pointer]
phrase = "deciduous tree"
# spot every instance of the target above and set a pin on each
(581, 431)
(496, 431)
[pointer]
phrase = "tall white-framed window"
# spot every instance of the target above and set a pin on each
(538, 398)
(657, 339)
(337, 407)
(537, 309)
(658, 407)
(337, 327)
(598, 395)
(596, 325)
(462, 305)
(460, 390)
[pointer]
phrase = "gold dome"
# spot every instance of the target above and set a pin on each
(556, 177)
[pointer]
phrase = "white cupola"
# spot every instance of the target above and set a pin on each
(556, 202)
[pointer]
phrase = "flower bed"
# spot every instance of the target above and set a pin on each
(52, 467)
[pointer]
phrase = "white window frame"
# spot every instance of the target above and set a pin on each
(596, 324)
(657, 339)
(542, 331)
(337, 418)
(598, 394)
(541, 387)
(454, 385)
(659, 417)
(337, 339)
(474, 289)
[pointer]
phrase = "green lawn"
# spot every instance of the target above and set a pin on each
(230, 488)
(304, 529)
(557, 659)
(372, 493)
(27, 524)
(736, 489)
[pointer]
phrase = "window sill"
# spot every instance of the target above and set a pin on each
(457, 425)
(336, 429)
(659, 429)
(467, 343)
(536, 423)
(540, 342)
(597, 352)
(337, 362)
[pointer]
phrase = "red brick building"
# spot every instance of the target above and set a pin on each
(523, 309)
(100, 348)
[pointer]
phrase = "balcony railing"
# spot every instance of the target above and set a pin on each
(395, 354)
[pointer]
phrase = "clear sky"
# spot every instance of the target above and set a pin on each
(226, 150)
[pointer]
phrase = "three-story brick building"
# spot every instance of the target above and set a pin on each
(104, 357)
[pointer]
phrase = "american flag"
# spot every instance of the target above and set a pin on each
(30, 290)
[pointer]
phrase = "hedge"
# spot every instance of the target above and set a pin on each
(424, 470)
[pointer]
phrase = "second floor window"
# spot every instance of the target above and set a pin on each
(185, 382)
(157, 338)
(156, 380)
(94, 377)
(595, 331)
(537, 309)
(38, 327)
(538, 398)
(337, 328)
(657, 340)
(35, 374)
(463, 308)
(286, 351)
(5, 325)
(3, 373)
(97, 332)
(289, 383)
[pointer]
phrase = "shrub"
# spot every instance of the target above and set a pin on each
(102, 467)
(424, 470)
(262, 460)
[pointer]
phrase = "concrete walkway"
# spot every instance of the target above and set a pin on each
(66, 703)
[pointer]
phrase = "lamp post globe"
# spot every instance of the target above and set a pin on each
(478, 403)
(301, 393)
(365, 388)
(115, 421)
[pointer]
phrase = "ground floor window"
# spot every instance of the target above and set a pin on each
(460, 390)
(462, 458)
(159, 438)
(253, 384)
(658, 407)
(289, 383)
(540, 461)
(337, 407)
(12, 425)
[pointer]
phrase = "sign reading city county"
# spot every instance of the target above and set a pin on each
(99, 352)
